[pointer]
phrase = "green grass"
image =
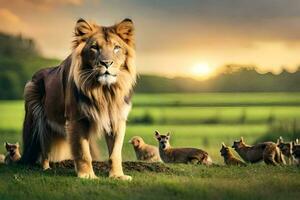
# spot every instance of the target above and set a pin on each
(217, 99)
(185, 182)
(194, 120)
(210, 115)
(13, 114)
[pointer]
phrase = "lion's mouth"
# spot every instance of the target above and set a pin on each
(107, 78)
(106, 74)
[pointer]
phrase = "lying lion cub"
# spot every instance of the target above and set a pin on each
(229, 158)
(180, 155)
(13, 153)
(267, 151)
(143, 151)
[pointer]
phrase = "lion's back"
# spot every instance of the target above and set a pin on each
(51, 84)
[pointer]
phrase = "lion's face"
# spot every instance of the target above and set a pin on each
(105, 51)
(104, 57)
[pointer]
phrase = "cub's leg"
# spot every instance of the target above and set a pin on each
(279, 157)
(269, 158)
(114, 143)
(79, 138)
(193, 161)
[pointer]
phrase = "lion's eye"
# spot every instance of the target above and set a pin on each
(95, 46)
(117, 49)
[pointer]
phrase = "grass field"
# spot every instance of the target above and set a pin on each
(196, 120)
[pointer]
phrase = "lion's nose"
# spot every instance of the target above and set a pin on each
(106, 63)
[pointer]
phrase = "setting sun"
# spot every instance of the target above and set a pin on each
(202, 70)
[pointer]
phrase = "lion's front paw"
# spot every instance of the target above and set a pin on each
(47, 168)
(90, 175)
(46, 165)
(121, 177)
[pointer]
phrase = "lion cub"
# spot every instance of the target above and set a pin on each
(13, 153)
(143, 151)
(267, 151)
(229, 158)
(286, 149)
(180, 155)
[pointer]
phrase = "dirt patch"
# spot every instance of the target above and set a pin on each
(127, 166)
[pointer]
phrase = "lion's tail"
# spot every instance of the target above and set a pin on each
(34, 128)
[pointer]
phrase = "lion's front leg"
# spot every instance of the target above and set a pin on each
(79, 136)
(115, 143)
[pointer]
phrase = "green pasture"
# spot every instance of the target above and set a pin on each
(257, 182)
(217, 99)
(194, 120)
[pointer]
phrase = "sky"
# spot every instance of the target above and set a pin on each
(173, 37)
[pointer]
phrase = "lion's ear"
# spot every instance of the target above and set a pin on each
(82, 28)
(125, 30)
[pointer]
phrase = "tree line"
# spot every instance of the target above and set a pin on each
(20, 58)
(234, 78)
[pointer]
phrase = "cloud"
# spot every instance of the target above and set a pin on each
(40, 5)
(10, 23)
(172, 33)
(220, 22)
(47, 4)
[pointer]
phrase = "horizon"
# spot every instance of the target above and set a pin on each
(192, 39)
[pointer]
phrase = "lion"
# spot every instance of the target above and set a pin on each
(87, 95)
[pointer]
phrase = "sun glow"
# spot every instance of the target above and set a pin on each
(202, 70)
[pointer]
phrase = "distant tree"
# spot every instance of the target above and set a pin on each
(19, 58)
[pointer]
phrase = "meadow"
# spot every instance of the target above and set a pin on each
(196, 120)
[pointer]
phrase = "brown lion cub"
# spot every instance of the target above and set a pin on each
(13, 153)
(286, 149)
(267, 151)
(143, 151)
(180, 155)
(229, 158)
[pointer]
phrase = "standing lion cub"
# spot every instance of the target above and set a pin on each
(143, 151)
(286, 149)
(180, 155)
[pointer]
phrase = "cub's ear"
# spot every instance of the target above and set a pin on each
(125, 29)
(168, 134)
(223, 144)
(297, 141)
(82, 28)
(242, 139)
(17, 144)
(6, 145)
(157, 135)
